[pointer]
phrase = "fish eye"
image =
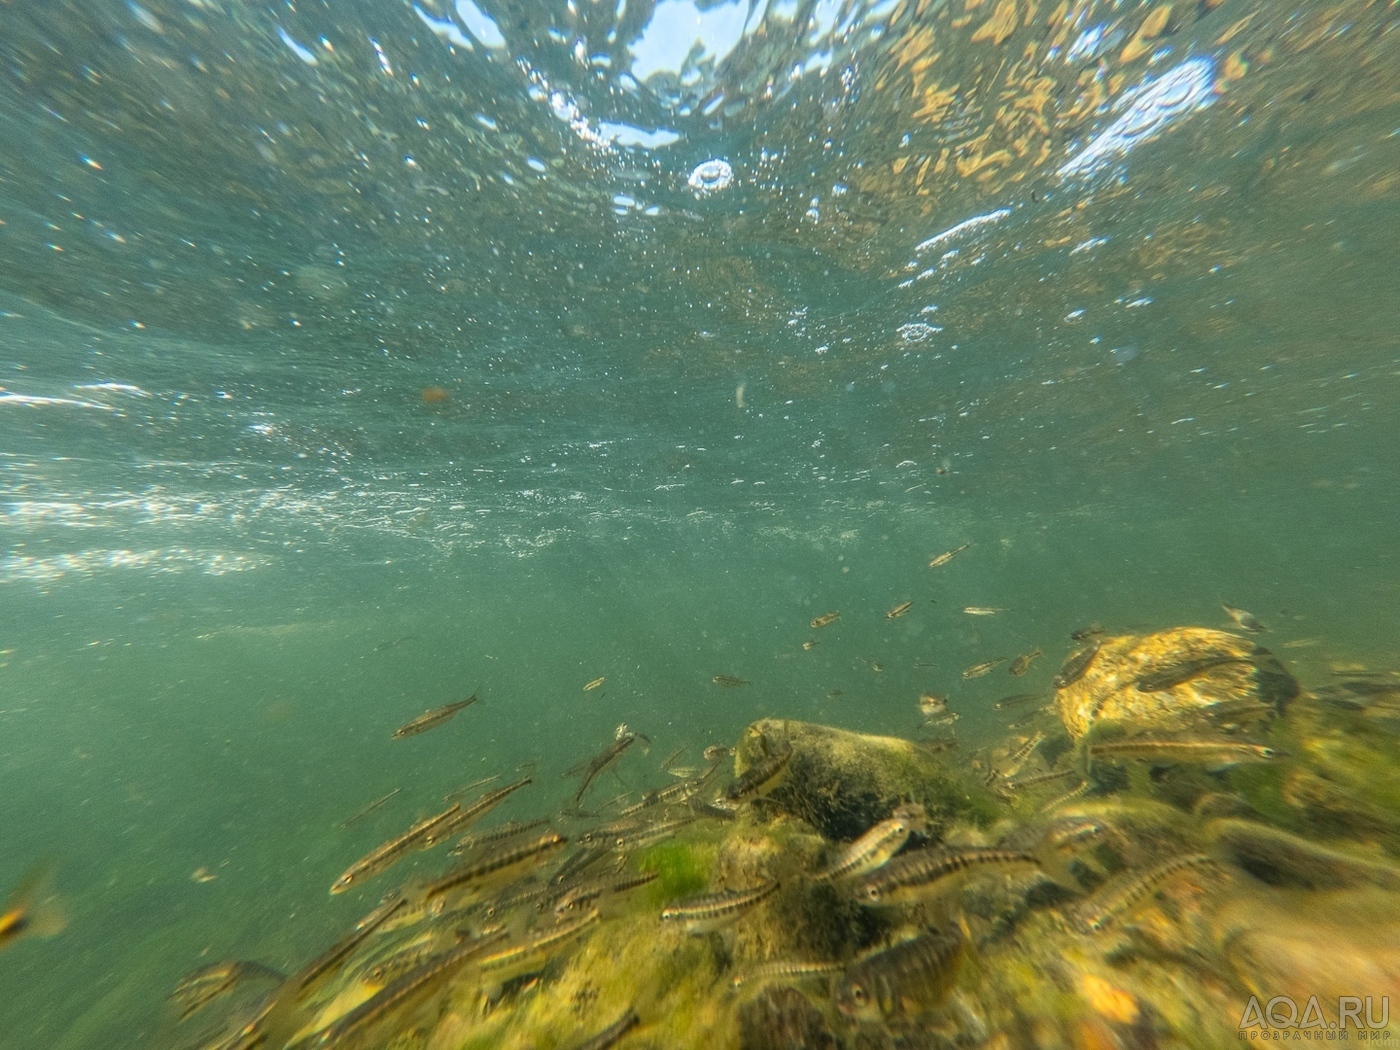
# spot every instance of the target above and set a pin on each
(859, 995)
(872, 892)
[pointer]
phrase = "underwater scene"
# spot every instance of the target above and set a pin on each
(668, 524)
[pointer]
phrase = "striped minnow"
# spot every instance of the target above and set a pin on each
(1017, 758)
(759, 779)
(871, 850)
(903, 980)
(786, 969)
(496, 864)
(432, 719)
(201, 987)
(538, 943)
(986, 667)
(389, 853)
(478, 809)
(929, 872)
(946, 556)
(467, 843)
(1119, 896)
(713, 910)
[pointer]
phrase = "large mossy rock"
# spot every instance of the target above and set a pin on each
(842, 782)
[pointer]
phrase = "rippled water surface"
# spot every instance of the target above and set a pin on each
(355, 357)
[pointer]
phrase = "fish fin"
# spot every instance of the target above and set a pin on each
(35, 896)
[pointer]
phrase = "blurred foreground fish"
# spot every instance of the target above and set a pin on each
(729, 681)
(984, 668)
(1213, 754)
(711, 911)
(903, 981)
(899, 610)
(947, 556)
(934, 707)
(824, 619)
(198, 989)
(983, 610)
(1247, 621)
(1119, 896)
(432, 719)
(33, 909)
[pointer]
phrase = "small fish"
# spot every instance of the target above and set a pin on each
(683, 772)
(304, 981)
(509, 830)
(809, 645)
(1022, 663)
(931, 705)
(610, 1035)
(369, 809)
(835, 694)
(1018, 757)
(408, 988)
(384, 646)
(1117, 897)
(729, 681)
(711, 911)
(983, 610)
(937, 745)
(1302, 643)
(1069, 796)
(877, 666)
(947, 556)
(899, 610)
(470, 814)
(590, 686)
(1214, 754)
(1083, 634)
(824, 619)
(1032, 779)
(198, 989)
(785, 969)
(874, 848)
(202, 875)
(605, 758)
(928, 873)
(666, 762)
(531, 950)
(1076, 666)
(903, 981)
(759, 779)
(382, 857)
(716, 753)
(1246, 621)
(1176, 674)
(496, 865)
(1016, 700)
(984, 668)
(453, 796)
(432, 719)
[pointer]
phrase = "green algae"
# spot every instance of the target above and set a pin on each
(683, 868)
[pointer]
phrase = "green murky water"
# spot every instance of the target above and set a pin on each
(357, 357)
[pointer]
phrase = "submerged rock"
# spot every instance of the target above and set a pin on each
(841, 783)
(1181, 679)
